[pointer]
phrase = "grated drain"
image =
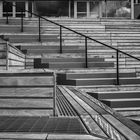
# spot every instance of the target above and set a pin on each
(68, 125)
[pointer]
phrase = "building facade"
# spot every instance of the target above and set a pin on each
(128, 9)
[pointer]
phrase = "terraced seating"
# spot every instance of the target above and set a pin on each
(96, 116)
(28, 40)
(70, 63)
(96, 78)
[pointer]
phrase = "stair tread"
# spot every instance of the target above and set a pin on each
(119, 91)
(124, 99)
(127, 109)
(84, 79)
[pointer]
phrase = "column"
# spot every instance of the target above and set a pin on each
(27, 9)
(88, 9)
(33, 11)
(106, 8)
(132, 9)
(100, 9)
(75, 9)
(1, 9)
(14, 9)
(69, 8)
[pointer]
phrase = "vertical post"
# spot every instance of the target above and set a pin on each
(105, 8)
(22, 21)
(7, 56)
(86, 57)
(26, 9)
(117, 67)
(132, 9)
(1, 9)
(88, 9)
(14, 9)
(100, 9)
(60, 39)
(39, 37)
(7, 13)
(69, 9)
(75, 9)
(32, 9)
(54, 95)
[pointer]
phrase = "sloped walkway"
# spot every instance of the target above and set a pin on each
(100, 120)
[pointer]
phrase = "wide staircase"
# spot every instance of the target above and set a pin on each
(74, 52)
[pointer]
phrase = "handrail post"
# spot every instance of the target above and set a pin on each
(86, 56)
(39, 37)
(7, 14)
(117, 68)
(22, 21)
(60, 39)
(7, 56)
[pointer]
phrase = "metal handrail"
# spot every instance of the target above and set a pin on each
(85, 36)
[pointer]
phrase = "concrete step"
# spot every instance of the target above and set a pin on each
(42, 51)
(104, 53)
(123, 30)
(94, 75)
(42, 47)
(17, 29)
(127, 109)
(103, 81)
(65, 65)
(115, 94)
(46, 60)
(30, 38)
(125, 102)
(123, 26)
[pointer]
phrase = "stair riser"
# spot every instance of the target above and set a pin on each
(72, 60)
(99, 75)
(106, 82)
(24, 40)
(115, 95)
(94, 82)
(54, 51)
(77, 65)
(122, 104)
(18, 29)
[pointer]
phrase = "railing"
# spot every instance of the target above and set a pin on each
(14, 55)
(86, 38)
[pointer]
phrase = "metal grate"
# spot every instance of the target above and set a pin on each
(68, 125)
(64, 107)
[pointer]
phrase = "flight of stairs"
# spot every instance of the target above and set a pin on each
(71, 62)
(72, 44)
(96, 78)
